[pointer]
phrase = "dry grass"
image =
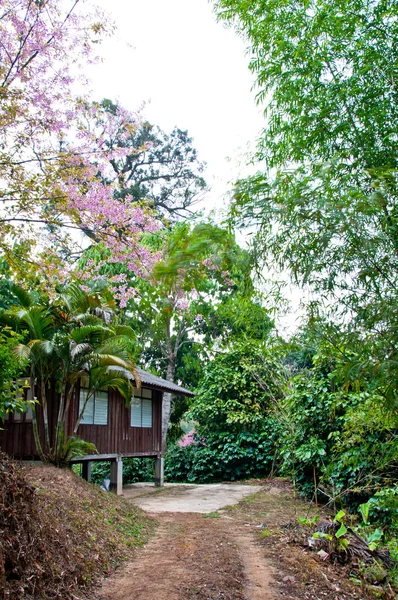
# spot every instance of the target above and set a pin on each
(58, 534)
(300, 573)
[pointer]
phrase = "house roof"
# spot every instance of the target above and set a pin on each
(163, 384)
(155, 382)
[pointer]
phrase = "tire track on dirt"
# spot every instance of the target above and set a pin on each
(192, 557)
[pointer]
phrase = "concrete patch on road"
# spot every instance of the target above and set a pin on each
(204, 498)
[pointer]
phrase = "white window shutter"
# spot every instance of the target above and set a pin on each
(101, 408)
(135, 420)
(88, 415)
(146, 413)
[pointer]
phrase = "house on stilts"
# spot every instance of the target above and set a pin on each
(116, 430)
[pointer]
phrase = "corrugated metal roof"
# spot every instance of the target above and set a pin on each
(168, 386)
(147, 379)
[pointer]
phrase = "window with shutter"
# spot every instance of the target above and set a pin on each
(141, 409)
(146, 413)
(135, 412)
(101, 408)
(96, 411)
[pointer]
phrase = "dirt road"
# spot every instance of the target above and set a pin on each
(193, 557)
(236, 553)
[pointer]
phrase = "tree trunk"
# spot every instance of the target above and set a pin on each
(62, 401)
(44, 407)
(167, 400)
(34, 423)
(79, 418)
(171, 357)
(59, 429)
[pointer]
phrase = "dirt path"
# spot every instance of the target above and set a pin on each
(241, 552)
(194, 557)
(177, 498)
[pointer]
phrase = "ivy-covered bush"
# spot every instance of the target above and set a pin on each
(235, 433)
(225, 457)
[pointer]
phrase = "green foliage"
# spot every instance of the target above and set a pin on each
(11, 368)
(340, 433)
(236, 430)
(326, 203)
(238, 389)
(70, 448)
(223, 457)
(312, 413)
(383, 508)
(365, 452)
(62, 340)
(134, 470)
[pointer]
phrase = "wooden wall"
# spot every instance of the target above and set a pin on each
(16, 437)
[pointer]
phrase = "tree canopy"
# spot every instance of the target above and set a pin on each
(325, 197)
(161, 168)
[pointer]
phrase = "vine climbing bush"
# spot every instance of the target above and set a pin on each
(236, 432)
(223, 457)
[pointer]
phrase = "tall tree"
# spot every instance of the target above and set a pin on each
(160, 168)
(326, 202)
(49, 162)
(199, 297)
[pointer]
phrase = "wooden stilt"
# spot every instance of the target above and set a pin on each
(86, 470)
(159, 472)
(117, 476)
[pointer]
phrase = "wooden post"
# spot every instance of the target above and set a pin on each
(159, 471)
(86, 470)
(117, 476)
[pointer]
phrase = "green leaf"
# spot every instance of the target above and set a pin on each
(341, 531)
(339, 517)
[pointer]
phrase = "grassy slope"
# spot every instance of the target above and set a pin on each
(59, 534)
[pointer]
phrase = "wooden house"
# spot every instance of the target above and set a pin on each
(115, 429)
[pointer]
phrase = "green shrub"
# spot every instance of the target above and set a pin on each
(383, 508)
(224, 457)
(134, 470)
(236, 429)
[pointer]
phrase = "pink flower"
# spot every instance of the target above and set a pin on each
(188, 439)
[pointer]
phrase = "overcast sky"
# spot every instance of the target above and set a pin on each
(192, 73)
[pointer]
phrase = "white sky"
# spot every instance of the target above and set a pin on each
(193, 73)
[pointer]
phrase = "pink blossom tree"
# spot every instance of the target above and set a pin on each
(50, 161)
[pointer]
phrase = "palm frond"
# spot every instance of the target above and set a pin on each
(120, 380)
(19, 294)
(41, 347)
(125, 331)
(108, 360)
(38, 320)
(22, 351)
(9, 319)
(70, 448)
(91, 334)
(77, 350)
